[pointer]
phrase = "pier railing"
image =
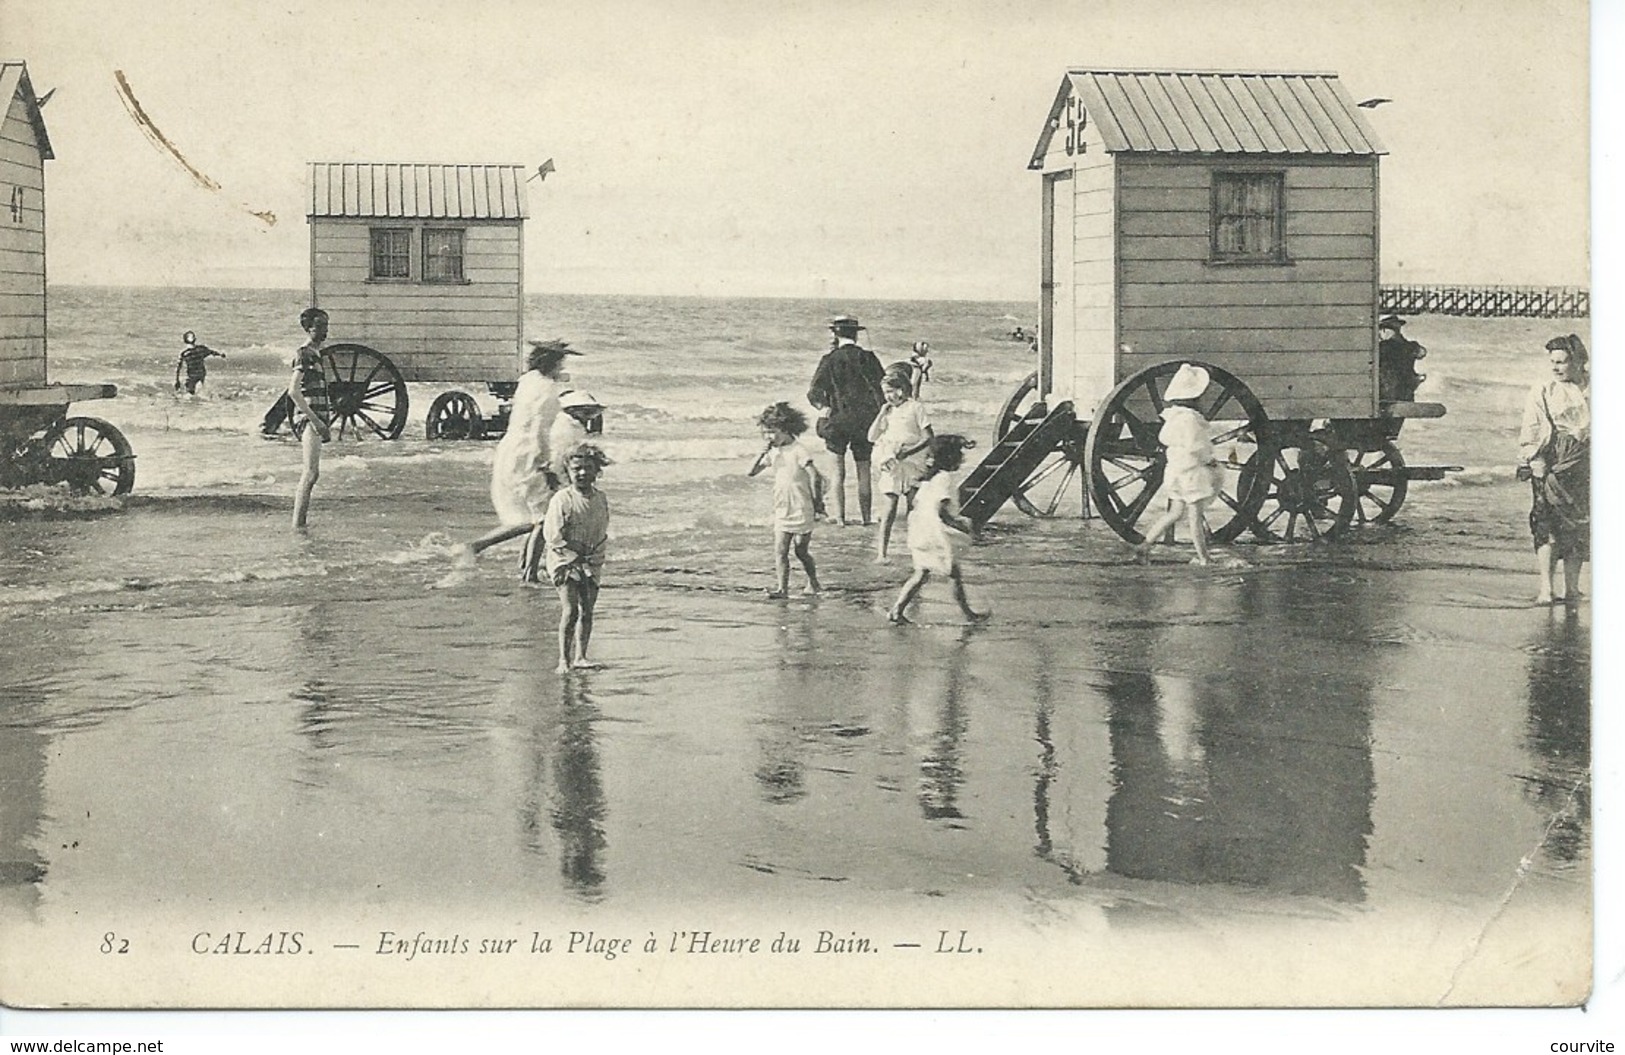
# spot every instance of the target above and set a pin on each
(1529, 302)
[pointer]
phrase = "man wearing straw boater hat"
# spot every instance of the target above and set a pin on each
(846, 386)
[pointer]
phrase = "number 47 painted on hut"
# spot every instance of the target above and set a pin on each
(16, 205)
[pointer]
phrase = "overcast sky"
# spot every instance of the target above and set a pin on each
(824, 147)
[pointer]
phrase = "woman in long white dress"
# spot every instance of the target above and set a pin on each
(521, 478)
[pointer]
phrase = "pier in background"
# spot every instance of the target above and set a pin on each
(1529, 302)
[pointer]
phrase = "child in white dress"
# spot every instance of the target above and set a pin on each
(1190, 479)
(900, 432)
(937, 534)
(576, 532)
(796, 486)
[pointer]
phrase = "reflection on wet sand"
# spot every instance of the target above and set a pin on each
(1243, 771)
(941, 703)
(1559, 732)
(578, 810)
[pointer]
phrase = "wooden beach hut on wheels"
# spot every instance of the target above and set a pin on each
(421, 269)
(39, 443)
(1223, 218)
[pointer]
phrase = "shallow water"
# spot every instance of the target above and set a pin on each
(200, 708)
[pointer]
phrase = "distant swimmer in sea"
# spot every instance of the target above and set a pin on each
(920, 361)
(192, 362)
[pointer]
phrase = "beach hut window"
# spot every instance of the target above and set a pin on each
(391, 252)
(442, 254)
(1247, 218)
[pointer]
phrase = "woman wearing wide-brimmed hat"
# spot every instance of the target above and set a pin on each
(522, 479)
(1555, 445)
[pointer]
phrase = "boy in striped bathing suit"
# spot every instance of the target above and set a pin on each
(307, 388)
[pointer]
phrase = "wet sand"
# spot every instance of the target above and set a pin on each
(1358, 773)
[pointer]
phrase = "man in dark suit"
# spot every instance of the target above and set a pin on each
(846, 386)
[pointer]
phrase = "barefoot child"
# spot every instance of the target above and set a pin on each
(1191, 479)
(937, 534)
(901, 430)
(575, 530)
(795, 490)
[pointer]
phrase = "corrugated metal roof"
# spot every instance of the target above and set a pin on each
(14, 76)
(1216, 112)
(417, 192)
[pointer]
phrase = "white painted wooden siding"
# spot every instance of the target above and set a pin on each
(22, 251)
(1301, 335)
(431, 331)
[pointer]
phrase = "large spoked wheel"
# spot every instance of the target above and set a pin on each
(1055, 488)
(90, 456)
(1380, 482)
(368, 393)
(1308, 493)
(1125, 462)
(454, 416)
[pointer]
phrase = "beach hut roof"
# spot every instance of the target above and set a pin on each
(1214, 112)
(417, 192)
(14, 79)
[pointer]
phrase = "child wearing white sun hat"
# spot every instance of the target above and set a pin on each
(1190, 478)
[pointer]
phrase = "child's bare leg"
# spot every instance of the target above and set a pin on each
(1198, 529)
(804, 554)
(311, 445)
(589, 601)
(781, 564)
(496, 535)
(530, 558)
(1163, 523)
(1545, 565)
(960, 598)
(911, 589)
(889, 518)
(569, 616)
(1571, 579)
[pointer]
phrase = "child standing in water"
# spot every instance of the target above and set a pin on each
(937, 534)
(194, 359)
(795, 491)
(1190, 479)
(901, 430)
(576, 530)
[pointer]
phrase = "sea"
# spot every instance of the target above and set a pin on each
(199, 706)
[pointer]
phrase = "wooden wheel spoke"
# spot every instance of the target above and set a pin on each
(1156, 397)
(1130, 476)
(1048, 469)
(370, 421)
(1231, 502)
(1136, 507)
(1060, 492)
(1130, 471)
(1225, 395)
(1233, 434)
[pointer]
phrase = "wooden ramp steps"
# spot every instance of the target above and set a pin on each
(1013, 459)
